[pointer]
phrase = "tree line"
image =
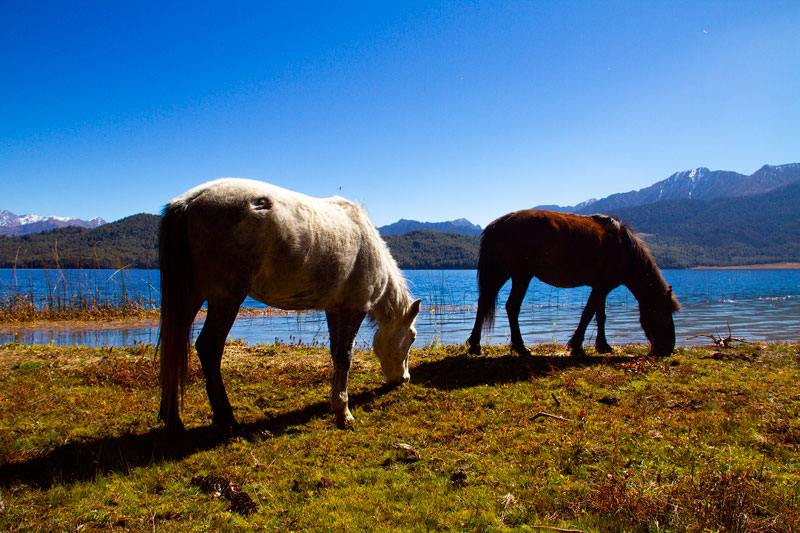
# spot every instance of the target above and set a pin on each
(681, 233)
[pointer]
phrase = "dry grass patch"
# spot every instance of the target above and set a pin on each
(704, 440)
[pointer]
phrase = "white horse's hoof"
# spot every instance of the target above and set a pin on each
(345, 421)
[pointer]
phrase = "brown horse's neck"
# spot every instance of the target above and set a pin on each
(645, 290)
(643, 277)
(647, 287)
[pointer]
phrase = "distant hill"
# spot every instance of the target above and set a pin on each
(427, 249)
(12, 224)
(696, 184)
(130, 242)
(462, 225)
(133, 243)
(693, 218)
(754, 229)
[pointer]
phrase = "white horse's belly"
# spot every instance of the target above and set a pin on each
(288, 293)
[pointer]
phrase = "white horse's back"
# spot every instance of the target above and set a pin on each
(298, 252)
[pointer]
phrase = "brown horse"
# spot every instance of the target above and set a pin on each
(567, 250)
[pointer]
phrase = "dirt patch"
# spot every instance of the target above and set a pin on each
(218, 486)
(78, 325)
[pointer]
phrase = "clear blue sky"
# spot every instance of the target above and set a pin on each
(430, 111)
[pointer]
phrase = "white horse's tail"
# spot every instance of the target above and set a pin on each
(177, 309)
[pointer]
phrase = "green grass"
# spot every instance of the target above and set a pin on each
(707, 440)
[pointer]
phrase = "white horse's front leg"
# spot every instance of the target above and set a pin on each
(340, 409)
(342, 326)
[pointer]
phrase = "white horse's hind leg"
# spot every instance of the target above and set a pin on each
(343, 327)
(210, 345)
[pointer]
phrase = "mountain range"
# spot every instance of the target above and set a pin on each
(462, 225)
(695, 184)
(694, 217)
(12, 224)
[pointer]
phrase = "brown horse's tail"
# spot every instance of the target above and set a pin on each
(177, 311)
(491, 276)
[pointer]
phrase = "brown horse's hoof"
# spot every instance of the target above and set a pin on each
(521, 350)
(474, 349)
(603, 348)
(660, 354)
(578, 353)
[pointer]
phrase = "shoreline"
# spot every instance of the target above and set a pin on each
(766, 266)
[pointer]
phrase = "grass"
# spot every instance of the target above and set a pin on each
(707, 440)
(77, 295)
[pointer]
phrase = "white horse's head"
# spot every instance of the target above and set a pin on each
(392, 342)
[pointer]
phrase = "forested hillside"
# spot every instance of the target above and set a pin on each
(130, 242)
(762, 228)
(462, 225)
(428, 249)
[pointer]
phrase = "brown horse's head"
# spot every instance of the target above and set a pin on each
(656, 319)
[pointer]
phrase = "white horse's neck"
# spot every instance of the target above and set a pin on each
(394, 301)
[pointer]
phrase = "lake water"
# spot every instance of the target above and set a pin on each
(758, 305)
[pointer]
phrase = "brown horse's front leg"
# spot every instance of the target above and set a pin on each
(601, 344)
(343, 327)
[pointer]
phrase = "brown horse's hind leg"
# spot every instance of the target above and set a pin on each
(343, 327)
(486, 304)
(596, 302)
(519, 287)
(474, 340)
(210, 345)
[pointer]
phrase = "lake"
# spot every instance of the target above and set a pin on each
(759, 305)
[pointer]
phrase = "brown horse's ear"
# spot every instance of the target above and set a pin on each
(413, 310)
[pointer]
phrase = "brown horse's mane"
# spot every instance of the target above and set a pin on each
(643, 259)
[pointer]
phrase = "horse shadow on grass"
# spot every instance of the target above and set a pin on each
(464, 371)
(80, 461)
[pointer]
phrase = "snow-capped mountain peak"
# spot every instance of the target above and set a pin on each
(13, 224)
(696, 183)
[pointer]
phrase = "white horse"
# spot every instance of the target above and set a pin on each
(231, 238)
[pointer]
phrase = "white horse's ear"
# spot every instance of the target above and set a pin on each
(413, 310)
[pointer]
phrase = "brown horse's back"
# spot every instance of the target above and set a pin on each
(560, 249)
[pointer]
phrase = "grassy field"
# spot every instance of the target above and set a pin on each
(707, 440)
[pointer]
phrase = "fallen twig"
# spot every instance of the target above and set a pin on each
(556, 399)
(548, 415)
(719, 340)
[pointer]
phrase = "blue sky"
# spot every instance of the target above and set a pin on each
(430, 111)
